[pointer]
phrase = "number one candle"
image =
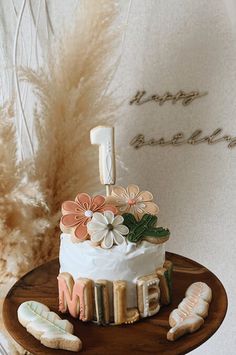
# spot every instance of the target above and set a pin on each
(104, 137)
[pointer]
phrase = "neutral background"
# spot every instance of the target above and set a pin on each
(166, 45)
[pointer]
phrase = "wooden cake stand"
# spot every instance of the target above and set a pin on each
(148, 336)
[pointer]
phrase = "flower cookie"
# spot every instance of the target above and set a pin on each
(107, 229)
(76, 214)
(132, 200)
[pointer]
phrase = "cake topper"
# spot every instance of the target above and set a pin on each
(104, 137)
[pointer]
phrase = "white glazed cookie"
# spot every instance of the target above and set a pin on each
(199, 289)
(190, 314)
(48, 327)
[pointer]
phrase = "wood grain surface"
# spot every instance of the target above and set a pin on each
(148, 336)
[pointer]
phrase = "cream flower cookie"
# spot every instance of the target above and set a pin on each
(106, 229)
(132, 200)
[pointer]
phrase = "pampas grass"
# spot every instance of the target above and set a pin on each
(72, 101)
(22, 207)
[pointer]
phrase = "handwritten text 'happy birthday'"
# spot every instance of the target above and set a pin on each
(140, 97)
(179, 139)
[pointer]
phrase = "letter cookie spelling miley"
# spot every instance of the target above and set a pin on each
(121, 313)
(148, 295)
(165, 276)
(102, 305)
(77, 297)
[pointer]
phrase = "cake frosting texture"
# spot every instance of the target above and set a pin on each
(127, 261)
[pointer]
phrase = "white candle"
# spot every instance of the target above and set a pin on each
(104, 137)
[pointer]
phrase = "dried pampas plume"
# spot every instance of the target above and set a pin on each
(71, 99)
(22, 207)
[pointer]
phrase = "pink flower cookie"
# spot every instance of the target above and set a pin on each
(76, 214)
(132, 200)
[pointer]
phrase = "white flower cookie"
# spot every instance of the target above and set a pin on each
(106, 229)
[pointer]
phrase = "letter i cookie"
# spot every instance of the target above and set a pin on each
(101, 294)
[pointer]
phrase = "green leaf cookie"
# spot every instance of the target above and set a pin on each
(145, 229)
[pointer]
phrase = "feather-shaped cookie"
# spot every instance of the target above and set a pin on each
(47, 326)
(190, 314)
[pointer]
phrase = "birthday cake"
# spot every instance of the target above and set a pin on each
(112, 252)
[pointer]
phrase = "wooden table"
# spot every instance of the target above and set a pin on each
(145, 337)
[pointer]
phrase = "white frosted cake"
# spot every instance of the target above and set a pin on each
(112, 253)
(127, 261)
